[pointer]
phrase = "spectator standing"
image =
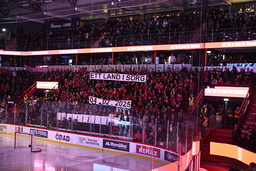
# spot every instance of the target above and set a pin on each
(161, 136)
(236, 135)
(250, 138)
(230, 118)
(191, 102)
(212, 116)
(236, 115)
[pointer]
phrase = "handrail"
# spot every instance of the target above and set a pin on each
(29, 90)
(197, 101)
(54, 89)
(246, 101)
(244, 106)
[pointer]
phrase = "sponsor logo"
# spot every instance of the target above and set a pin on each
(116, 145)
(67, 51)
(3, 128)
(171, 157)
(140, 48)
(88, 141)
(61, 137)
(39, 133)
(186, 46)
(18, 129)
(102, 50)
(148, 151)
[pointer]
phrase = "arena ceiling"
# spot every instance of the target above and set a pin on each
(16, 11)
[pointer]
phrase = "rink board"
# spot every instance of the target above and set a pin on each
(158, 154)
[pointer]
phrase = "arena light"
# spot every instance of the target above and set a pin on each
(226, 99)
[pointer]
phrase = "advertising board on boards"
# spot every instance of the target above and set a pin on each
(3, 128)
(62, 137)
(39, 133)
(148, 151)
(170, 157)
(89, 141)
(116, 145)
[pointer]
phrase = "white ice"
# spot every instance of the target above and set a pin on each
(62, 157)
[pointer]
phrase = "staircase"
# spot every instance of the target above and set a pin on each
(214, 135)
(222, 136)
(249, 119)
(218, 135)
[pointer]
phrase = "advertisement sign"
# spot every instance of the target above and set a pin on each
(118, 77)
(18, 129)
(116, 145)
(148, 151)
(62, 137)
(89, 141)
(115, 103)
(39, 133)
(3, 128)
(170, 157)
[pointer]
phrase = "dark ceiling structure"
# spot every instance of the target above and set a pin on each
(16, 11)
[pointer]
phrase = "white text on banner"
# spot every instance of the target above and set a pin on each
(118, 77)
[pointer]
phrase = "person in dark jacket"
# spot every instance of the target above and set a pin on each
(236, 134)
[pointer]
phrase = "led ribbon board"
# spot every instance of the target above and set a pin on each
(227, 91)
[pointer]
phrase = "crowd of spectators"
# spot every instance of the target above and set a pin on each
(227, 77)
(13, 83)
(162, 91)
(163, 98)
(104, 32)
(221, 18)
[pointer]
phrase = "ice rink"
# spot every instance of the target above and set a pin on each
(62, 157)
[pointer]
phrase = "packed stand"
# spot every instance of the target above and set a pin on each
(135, 30)
(227, 77)
(12, 84)
(162, 98)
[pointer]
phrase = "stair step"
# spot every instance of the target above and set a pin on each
(246, 124)
(249, 121)
(219, 135)
(250, 115)
(251, 112)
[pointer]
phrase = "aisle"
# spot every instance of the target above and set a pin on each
(61, 157)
